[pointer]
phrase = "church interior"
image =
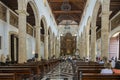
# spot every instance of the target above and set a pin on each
(59, 39)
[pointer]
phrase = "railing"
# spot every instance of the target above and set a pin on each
(9, 16)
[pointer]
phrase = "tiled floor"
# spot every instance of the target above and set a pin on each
(63, 71)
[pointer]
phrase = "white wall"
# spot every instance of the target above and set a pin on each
(5, 31)
(30, 46)
(87, 13)
(46, 12)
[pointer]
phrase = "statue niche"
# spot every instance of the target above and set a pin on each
(68, 44)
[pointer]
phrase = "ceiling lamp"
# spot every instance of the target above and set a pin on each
(65, 7)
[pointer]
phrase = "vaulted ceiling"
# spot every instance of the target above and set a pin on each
(75, 13)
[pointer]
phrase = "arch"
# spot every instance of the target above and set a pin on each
(35, 11)
(88, 25)
(50, 31)
(117, 29)
(43, 19)
(95, 12)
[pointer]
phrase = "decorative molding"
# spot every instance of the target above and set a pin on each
(13, 20)
(3, 11)
(22, 12)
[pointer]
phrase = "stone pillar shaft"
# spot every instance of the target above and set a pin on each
(51, 45)
(46, 47)
(105, 28)
(22, 37)
(87, 41)
(38, 42)
(93, 43)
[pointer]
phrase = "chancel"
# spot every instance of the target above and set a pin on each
(59, 39)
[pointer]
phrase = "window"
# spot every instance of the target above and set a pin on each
(0, 42)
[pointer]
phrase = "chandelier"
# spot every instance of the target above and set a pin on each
(65, 7)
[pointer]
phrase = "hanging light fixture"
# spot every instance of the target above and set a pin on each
(65, 7)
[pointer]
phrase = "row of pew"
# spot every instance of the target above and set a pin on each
(91, 71)
(31, 71)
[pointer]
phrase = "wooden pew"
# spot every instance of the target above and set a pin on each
(88, 63)
(36, 70)
(90, 67)
(39, 68)
(98, 76)
(89, 70)
(7, 76)
(20, 73)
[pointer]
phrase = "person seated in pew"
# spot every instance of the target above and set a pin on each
(107, 69)
(101, 62)
(117, 68)
(7, 60)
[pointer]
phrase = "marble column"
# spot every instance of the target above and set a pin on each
(46, 46)
(38, 42)
(93, 42)
(105, 28)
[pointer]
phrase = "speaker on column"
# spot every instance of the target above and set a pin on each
(36, 55)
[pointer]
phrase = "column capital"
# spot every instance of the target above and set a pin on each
(106, 13)
(37, 27)
(22, 12)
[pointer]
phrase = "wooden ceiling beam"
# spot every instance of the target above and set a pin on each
(68, 12)
(55, 0)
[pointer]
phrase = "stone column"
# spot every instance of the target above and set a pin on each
(105, 28)
(57, 51)
(59, 46)
(90, 46)
(87, 41)
(22, 36)
(51, 45)
(46, 46)
(22, 56)
(38, 42)
(81, 48)
(93, 42)
(83, 45)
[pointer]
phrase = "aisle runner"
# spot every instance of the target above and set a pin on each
(62, 72)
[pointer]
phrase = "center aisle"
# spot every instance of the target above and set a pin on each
(63, 71)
